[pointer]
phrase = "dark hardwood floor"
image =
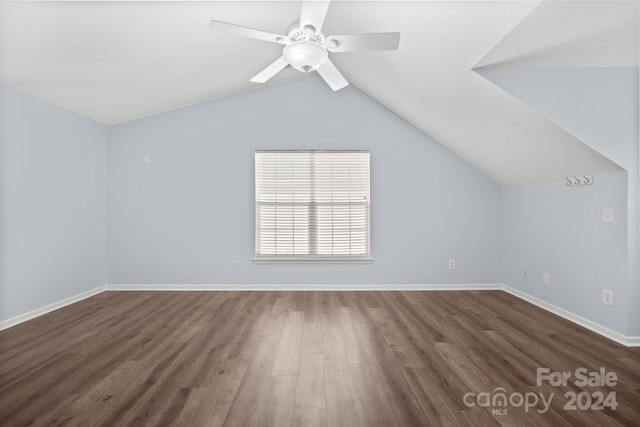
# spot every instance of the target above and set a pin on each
(311, 358)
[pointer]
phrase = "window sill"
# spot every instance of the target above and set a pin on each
(312, 260)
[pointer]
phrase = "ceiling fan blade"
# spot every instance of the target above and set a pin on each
(239, 30)
(331, 75)
(270, 71)
(355, 42)
(313, 13)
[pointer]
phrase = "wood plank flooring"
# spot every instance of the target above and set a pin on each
(308, 359)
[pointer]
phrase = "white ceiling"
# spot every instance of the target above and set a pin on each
(114, 61)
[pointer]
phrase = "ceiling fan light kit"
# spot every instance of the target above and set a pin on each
(305, 56)
(306, 48)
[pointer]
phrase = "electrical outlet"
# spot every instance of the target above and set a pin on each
(234, 265)
(545, 278)
(607, 297)
(452, 264)
(525, 274)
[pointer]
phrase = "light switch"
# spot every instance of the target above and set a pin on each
(607, 215)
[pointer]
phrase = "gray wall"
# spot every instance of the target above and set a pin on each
(53, 203)
(599, 106)
(555, 229)
(182, 218)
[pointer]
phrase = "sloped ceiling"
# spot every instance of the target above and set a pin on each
(115, 61)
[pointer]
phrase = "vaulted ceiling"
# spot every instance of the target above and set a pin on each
(115, 61)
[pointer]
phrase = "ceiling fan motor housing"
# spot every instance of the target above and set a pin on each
(308, 33)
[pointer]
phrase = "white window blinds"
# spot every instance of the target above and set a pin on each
(312, 204)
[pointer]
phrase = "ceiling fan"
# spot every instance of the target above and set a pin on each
(306, 48)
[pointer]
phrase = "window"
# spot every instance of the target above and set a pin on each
(312, 205)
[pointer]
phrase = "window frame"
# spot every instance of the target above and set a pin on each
(313, 258)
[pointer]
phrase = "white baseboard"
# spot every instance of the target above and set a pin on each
(585, 323)
(595, 327)
(16, 320)
(303, 287)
